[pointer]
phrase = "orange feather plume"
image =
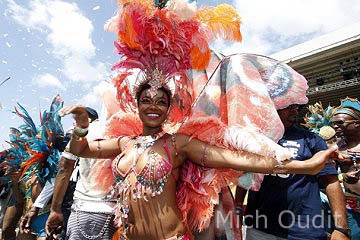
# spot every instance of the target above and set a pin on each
(199, 59)
(37, 157)
(221, 22)
(127, 34)
(149, 3)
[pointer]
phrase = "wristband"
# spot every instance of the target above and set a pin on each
(69, 156)
(81, 132)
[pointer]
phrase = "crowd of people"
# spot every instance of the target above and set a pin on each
(194, 145)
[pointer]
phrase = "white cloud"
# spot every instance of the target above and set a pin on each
(271, 26)
(68, 32)
(90, 99)
(102, 97)
(47, 80)
(78, 68)
(104, 92)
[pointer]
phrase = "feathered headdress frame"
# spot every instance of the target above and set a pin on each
(318, 117)
(349, 106)
(160, 43)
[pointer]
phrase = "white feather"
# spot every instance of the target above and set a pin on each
(112, 25)
(182, 8)
(251, 140)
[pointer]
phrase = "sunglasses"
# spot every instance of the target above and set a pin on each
(295, 106)
(342, 122)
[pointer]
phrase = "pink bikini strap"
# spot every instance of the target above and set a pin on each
(167, 150)
(127, 142)
(173, 141)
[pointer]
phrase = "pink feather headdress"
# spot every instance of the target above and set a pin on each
(159, 45)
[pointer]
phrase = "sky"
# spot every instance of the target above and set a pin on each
(50, 47)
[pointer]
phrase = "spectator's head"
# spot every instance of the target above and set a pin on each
(289, 114)
(346, 120)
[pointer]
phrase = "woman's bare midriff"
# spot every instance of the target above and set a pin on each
(159, 218)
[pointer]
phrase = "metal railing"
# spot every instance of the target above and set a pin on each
(333, 86)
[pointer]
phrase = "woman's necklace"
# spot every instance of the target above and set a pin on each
(144, 142)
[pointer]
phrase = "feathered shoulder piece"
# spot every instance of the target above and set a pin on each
(318, 117)
(160, 41)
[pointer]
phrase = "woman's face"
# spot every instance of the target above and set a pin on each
(153, 110)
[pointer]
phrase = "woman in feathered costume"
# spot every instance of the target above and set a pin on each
(32, 160)
(173, 154)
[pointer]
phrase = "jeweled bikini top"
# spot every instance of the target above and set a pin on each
(150, 179)
(156, 170)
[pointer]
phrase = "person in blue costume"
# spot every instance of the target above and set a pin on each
(30, 162)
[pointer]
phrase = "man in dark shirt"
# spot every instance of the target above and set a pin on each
(288, 206)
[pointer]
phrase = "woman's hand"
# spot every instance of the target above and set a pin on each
(79, 114)
(320, 160)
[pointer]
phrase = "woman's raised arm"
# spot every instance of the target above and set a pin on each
(80, 146)
(108, 148)
(214, 157)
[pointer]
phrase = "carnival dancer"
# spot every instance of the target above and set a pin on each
(148, 165)
(167, 183)
(68, 174)
(34, 156)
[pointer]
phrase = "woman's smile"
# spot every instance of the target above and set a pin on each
(153, 110)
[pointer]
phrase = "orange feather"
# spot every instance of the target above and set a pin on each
(222, 21)
(200, 52)
(149, 3)
(38, 157)
(117, 234)
(199, 59)
(128, 36)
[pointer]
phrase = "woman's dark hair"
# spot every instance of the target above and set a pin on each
(147, 86)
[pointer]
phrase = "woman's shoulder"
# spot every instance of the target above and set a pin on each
(181, 138)
(124, 141)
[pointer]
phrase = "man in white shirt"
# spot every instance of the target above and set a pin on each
(91, 215)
